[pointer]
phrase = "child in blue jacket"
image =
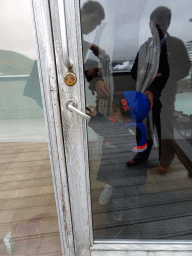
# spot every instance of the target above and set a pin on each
(123, 135)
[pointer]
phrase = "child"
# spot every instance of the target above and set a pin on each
(130, 108)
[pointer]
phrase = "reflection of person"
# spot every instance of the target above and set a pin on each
(92, 13)
(123, 20)
(172, 65)
(119, 133)
(32, 87)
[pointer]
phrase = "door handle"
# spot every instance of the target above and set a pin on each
(72, 106)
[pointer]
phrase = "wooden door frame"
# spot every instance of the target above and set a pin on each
(52, 115)
(67, 136)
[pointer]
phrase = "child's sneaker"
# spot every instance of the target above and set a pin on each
(106, 195)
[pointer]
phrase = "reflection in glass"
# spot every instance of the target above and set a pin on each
(136, 56)
(28, 213)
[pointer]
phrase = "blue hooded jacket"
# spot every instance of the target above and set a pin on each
(122, 140)
(138, 106)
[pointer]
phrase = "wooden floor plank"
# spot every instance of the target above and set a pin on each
(148, 200)
(20, 159)
(13, 148)
(30, 228)
(27, 202)
(24, 214)
(19, 150)
(25, 176)
(26, 169)
(23, 144)
(25, 154)
(152, 180)
(19, 193)
(26, 183)
(45, 245)
(148, 214)
(24, 164)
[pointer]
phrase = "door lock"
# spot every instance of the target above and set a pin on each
(70, 78)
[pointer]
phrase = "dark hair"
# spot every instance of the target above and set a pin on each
(94, 7)
(117, 104)
(161, 15)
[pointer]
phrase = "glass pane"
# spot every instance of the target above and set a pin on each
(137, 66)
(29, 223)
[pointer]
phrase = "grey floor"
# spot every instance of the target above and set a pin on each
(165, 206)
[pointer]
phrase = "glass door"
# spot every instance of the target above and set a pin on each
(129, 47)
(129, 166)
(29, 218)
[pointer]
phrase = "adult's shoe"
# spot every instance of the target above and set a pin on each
(162, 170)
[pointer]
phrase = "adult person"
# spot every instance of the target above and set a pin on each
(161, 62)
(119, 35)
(92, 13)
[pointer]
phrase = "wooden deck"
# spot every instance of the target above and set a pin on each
(28, 217)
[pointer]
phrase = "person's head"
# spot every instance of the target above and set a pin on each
(92, 13)
(161, 18)
(120, 108)
(130, 105)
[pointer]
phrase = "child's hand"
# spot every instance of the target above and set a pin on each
(92, 111)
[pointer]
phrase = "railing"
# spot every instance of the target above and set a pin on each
(183, 150)
(183, 147)
(14, 78)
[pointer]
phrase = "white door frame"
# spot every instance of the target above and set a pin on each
(67, 134)
(52, 116)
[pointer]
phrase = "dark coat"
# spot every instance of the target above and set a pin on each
(179, 65)
(174, 64)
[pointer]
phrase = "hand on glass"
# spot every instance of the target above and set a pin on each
(150, 97)
(102, 90)
(92, 111)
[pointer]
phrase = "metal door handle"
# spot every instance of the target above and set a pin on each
(72, 106)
